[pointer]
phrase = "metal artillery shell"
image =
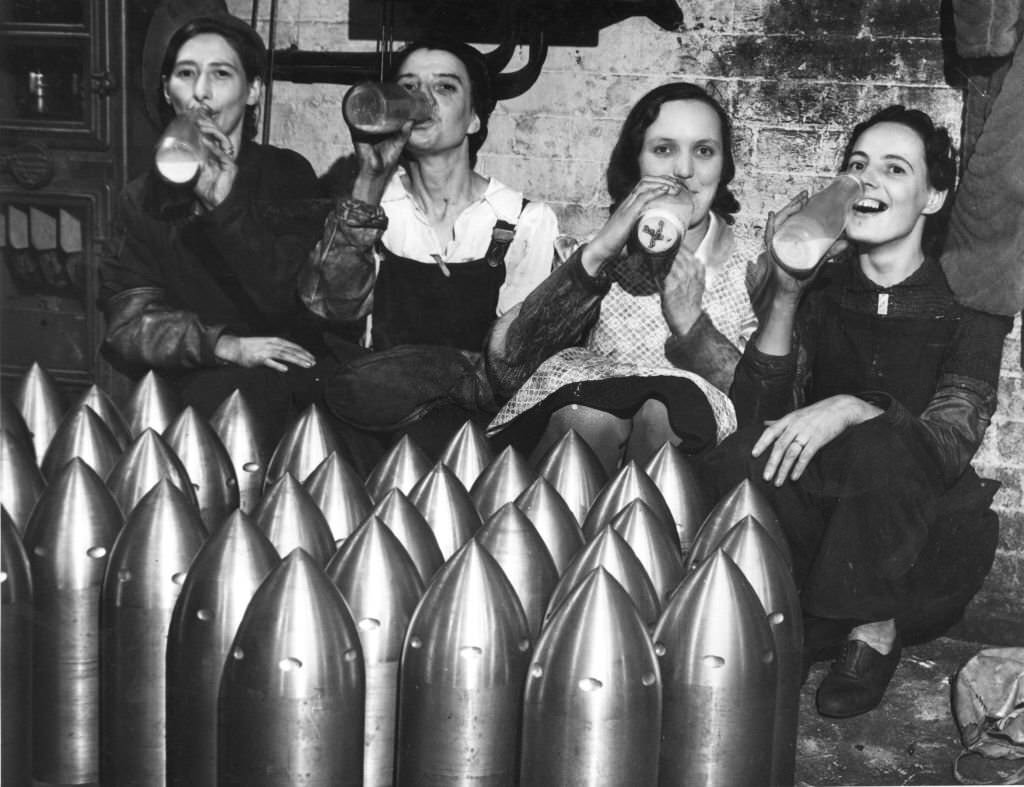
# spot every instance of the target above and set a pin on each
(674, 476)
(572, 468)
(501, 482)
(37, 398)
(208, 465)
(743, 500)
(467, 453)
(447, 507)
(84, 434)
(400, 468)
(289, 518)
(610, 552)
(463, 668)
(592, 705)
(555, 523)
(143, 465)
(515, 544)
(152, 405)
(248, 444)
(629, 484)
(68, 541)
(15, 657)
(718, 671)
(407, 523)
(146, 570)
(305, 444)
(757, 556)
(291, 698)
(98, 399)
(12, 421)
(379, 581)
(221, 582)
(21, 483)
(645, 534)
(339, 494)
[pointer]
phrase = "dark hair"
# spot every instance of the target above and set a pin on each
(624, 165)
(939, 157)
(246, 42)
(481, 95)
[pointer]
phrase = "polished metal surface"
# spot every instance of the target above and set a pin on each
(221, 582)
(12, 421)
(291, 699)
(248, 443)
(305, 444)
(673, 474)
(629, 484)
(592, 703)
(143, 465)
(100, 401)
(153, 404)
(407, 523)
(463, 668)
(573, 469)
(37, 398)
(382, 586)
(610, 552)
(400, 468)
(467, 453)
(555, 523)
(754, 552)
(85, 435)
(68, 541)
(147, 568)
(659, 554)
(21, 482)
(15, 657)
(338, 492)
(501, 482)
(512, 540)
(288, 516)
(742, 500)
(208, 465)
(447, 507)
(718, 669)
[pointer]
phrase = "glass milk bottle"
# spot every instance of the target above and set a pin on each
(801, 242)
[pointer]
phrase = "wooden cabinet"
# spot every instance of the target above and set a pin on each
(67, 72)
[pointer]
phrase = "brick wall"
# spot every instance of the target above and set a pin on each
(795, 75)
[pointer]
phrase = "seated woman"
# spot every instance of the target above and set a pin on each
(894, 385)
(651, 343)
(202, 286)
(432, 251)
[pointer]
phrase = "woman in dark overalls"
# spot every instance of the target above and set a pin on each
(431, 251)
(867, 391)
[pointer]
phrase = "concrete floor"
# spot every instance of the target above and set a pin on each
(911, 738)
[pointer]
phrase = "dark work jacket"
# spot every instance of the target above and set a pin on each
(930, 363)
(178, 280)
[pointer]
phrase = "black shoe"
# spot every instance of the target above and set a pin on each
(857, 680)
(823, 641)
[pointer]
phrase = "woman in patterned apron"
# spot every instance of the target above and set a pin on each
(629, 350)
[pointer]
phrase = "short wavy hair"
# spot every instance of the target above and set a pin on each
(624, 166)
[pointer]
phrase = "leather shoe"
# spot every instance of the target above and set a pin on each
(823, 641)
(857, 680)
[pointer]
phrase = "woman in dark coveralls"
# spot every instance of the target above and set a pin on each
(432, 251)
(203, 284)
(876, 388)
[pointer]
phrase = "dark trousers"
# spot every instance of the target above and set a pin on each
(873, 531)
